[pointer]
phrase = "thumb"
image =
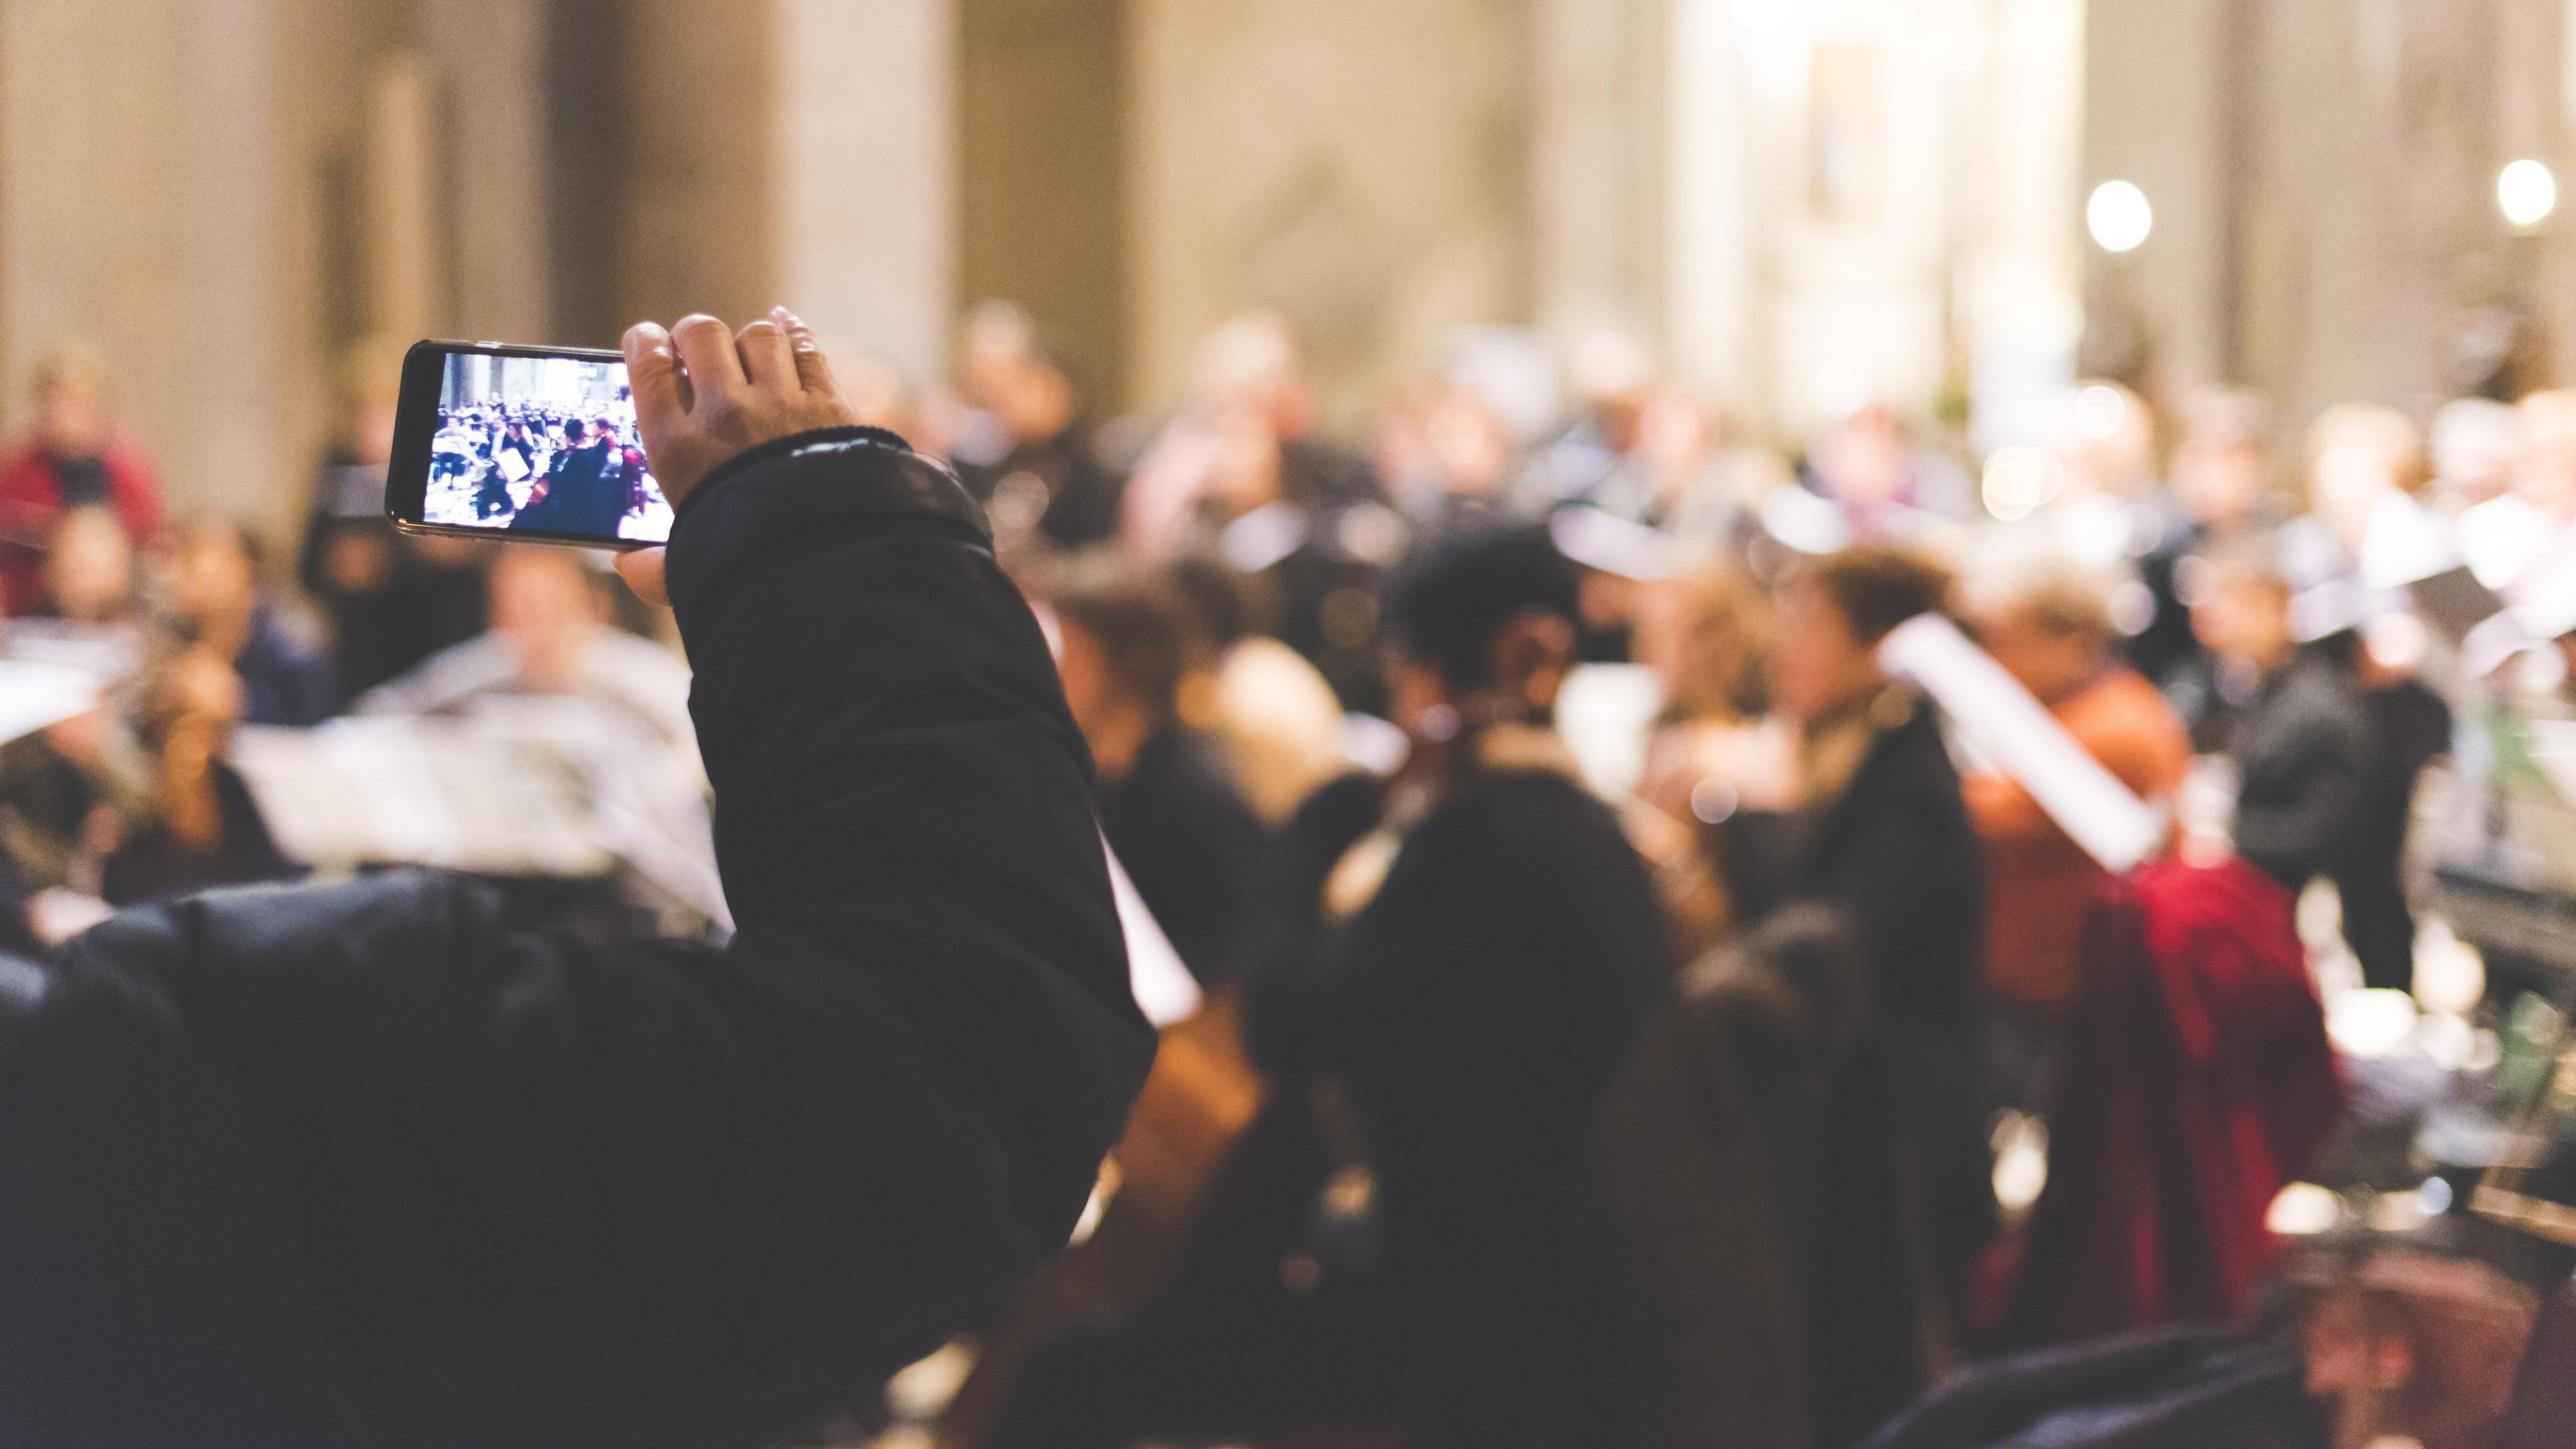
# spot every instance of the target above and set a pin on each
(642, 570)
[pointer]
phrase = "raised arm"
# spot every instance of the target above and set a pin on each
(377, 1165)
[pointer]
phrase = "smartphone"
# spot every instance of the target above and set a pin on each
(524, 444)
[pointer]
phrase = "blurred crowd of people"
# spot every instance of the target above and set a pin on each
(1661, 1098)
(189, 634)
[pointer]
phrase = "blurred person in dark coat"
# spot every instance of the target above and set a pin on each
(218, 603)
(380, 1165)
(74, 457)
(392, 600)
(1469, 950)
(1882, 837)
(2300, 740)
(1245, 474)
(1168, 801)
(2222, 491)
(1031, 462)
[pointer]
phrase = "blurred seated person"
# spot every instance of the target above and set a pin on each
(1712, 752)
(1031, 462)
(1887, 485)
(74, 457)
(1453, 460)
(550, 637)
(1243, 474)
(1881, 836)
(217, 604)
(89, 574)
(392, 600)
(1467, 950)
(2299, 734)
(617, 706)
(1168, 802)
(204, 830)
(2222, 491)
(1278, 720)
(1611, 377)
(2050, 628)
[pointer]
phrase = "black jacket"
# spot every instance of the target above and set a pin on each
(1743, 1273)
(1473, 1012)
(2303, 766)
(1190, 844)
(372, 1166)
(1894, 856)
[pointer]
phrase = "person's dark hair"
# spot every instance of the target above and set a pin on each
(1876, 587)
(1140, 621)
(574, 430)
(1228, 605)
(1450, 602)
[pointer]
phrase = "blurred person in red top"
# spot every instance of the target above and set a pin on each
(2050, 628)
(72, 458)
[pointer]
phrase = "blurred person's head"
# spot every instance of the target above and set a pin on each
(1125, 646)
(1468, 445)
(2242, 613)
(2049, 626)
(1862, 459)
(1612, 377)
(1702, 633)
(1251, 362)
(1676, 436)
(213, 574)
(1007, 368)
(89, 567)
(2474, 444)
(2222, 470)
(549, 604)
(994, 339)
(1833, 615)
(72, 419)
(2545, 476)
(1482, 631)
(2113, 445)
(2359, 454)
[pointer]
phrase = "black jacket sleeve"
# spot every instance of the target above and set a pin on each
(372, 1165)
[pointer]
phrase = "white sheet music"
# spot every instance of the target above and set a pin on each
(2005, 723)
(1164, 987)
(34, 695)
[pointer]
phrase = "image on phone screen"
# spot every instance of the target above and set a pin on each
(540, 445)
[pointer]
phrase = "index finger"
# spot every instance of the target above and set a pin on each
(707, 350)
(653, 377)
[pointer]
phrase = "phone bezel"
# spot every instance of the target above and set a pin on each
(424, 374)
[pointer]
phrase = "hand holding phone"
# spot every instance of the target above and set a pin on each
(594, 449)
(704, 395)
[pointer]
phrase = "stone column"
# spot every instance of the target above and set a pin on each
(864, 162)
(1598, 173)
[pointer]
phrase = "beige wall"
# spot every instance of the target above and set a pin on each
(1042, 207)
(162, 198)
(1358, 165)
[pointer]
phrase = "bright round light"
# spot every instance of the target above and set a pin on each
(2100, 413)
(2527, 193)
(2119, 216)
(2021, 480)
(1767, 16)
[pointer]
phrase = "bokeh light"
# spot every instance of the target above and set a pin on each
(2527, 193)
(2119, 216)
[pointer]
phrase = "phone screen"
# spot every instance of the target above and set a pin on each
(540, 446)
